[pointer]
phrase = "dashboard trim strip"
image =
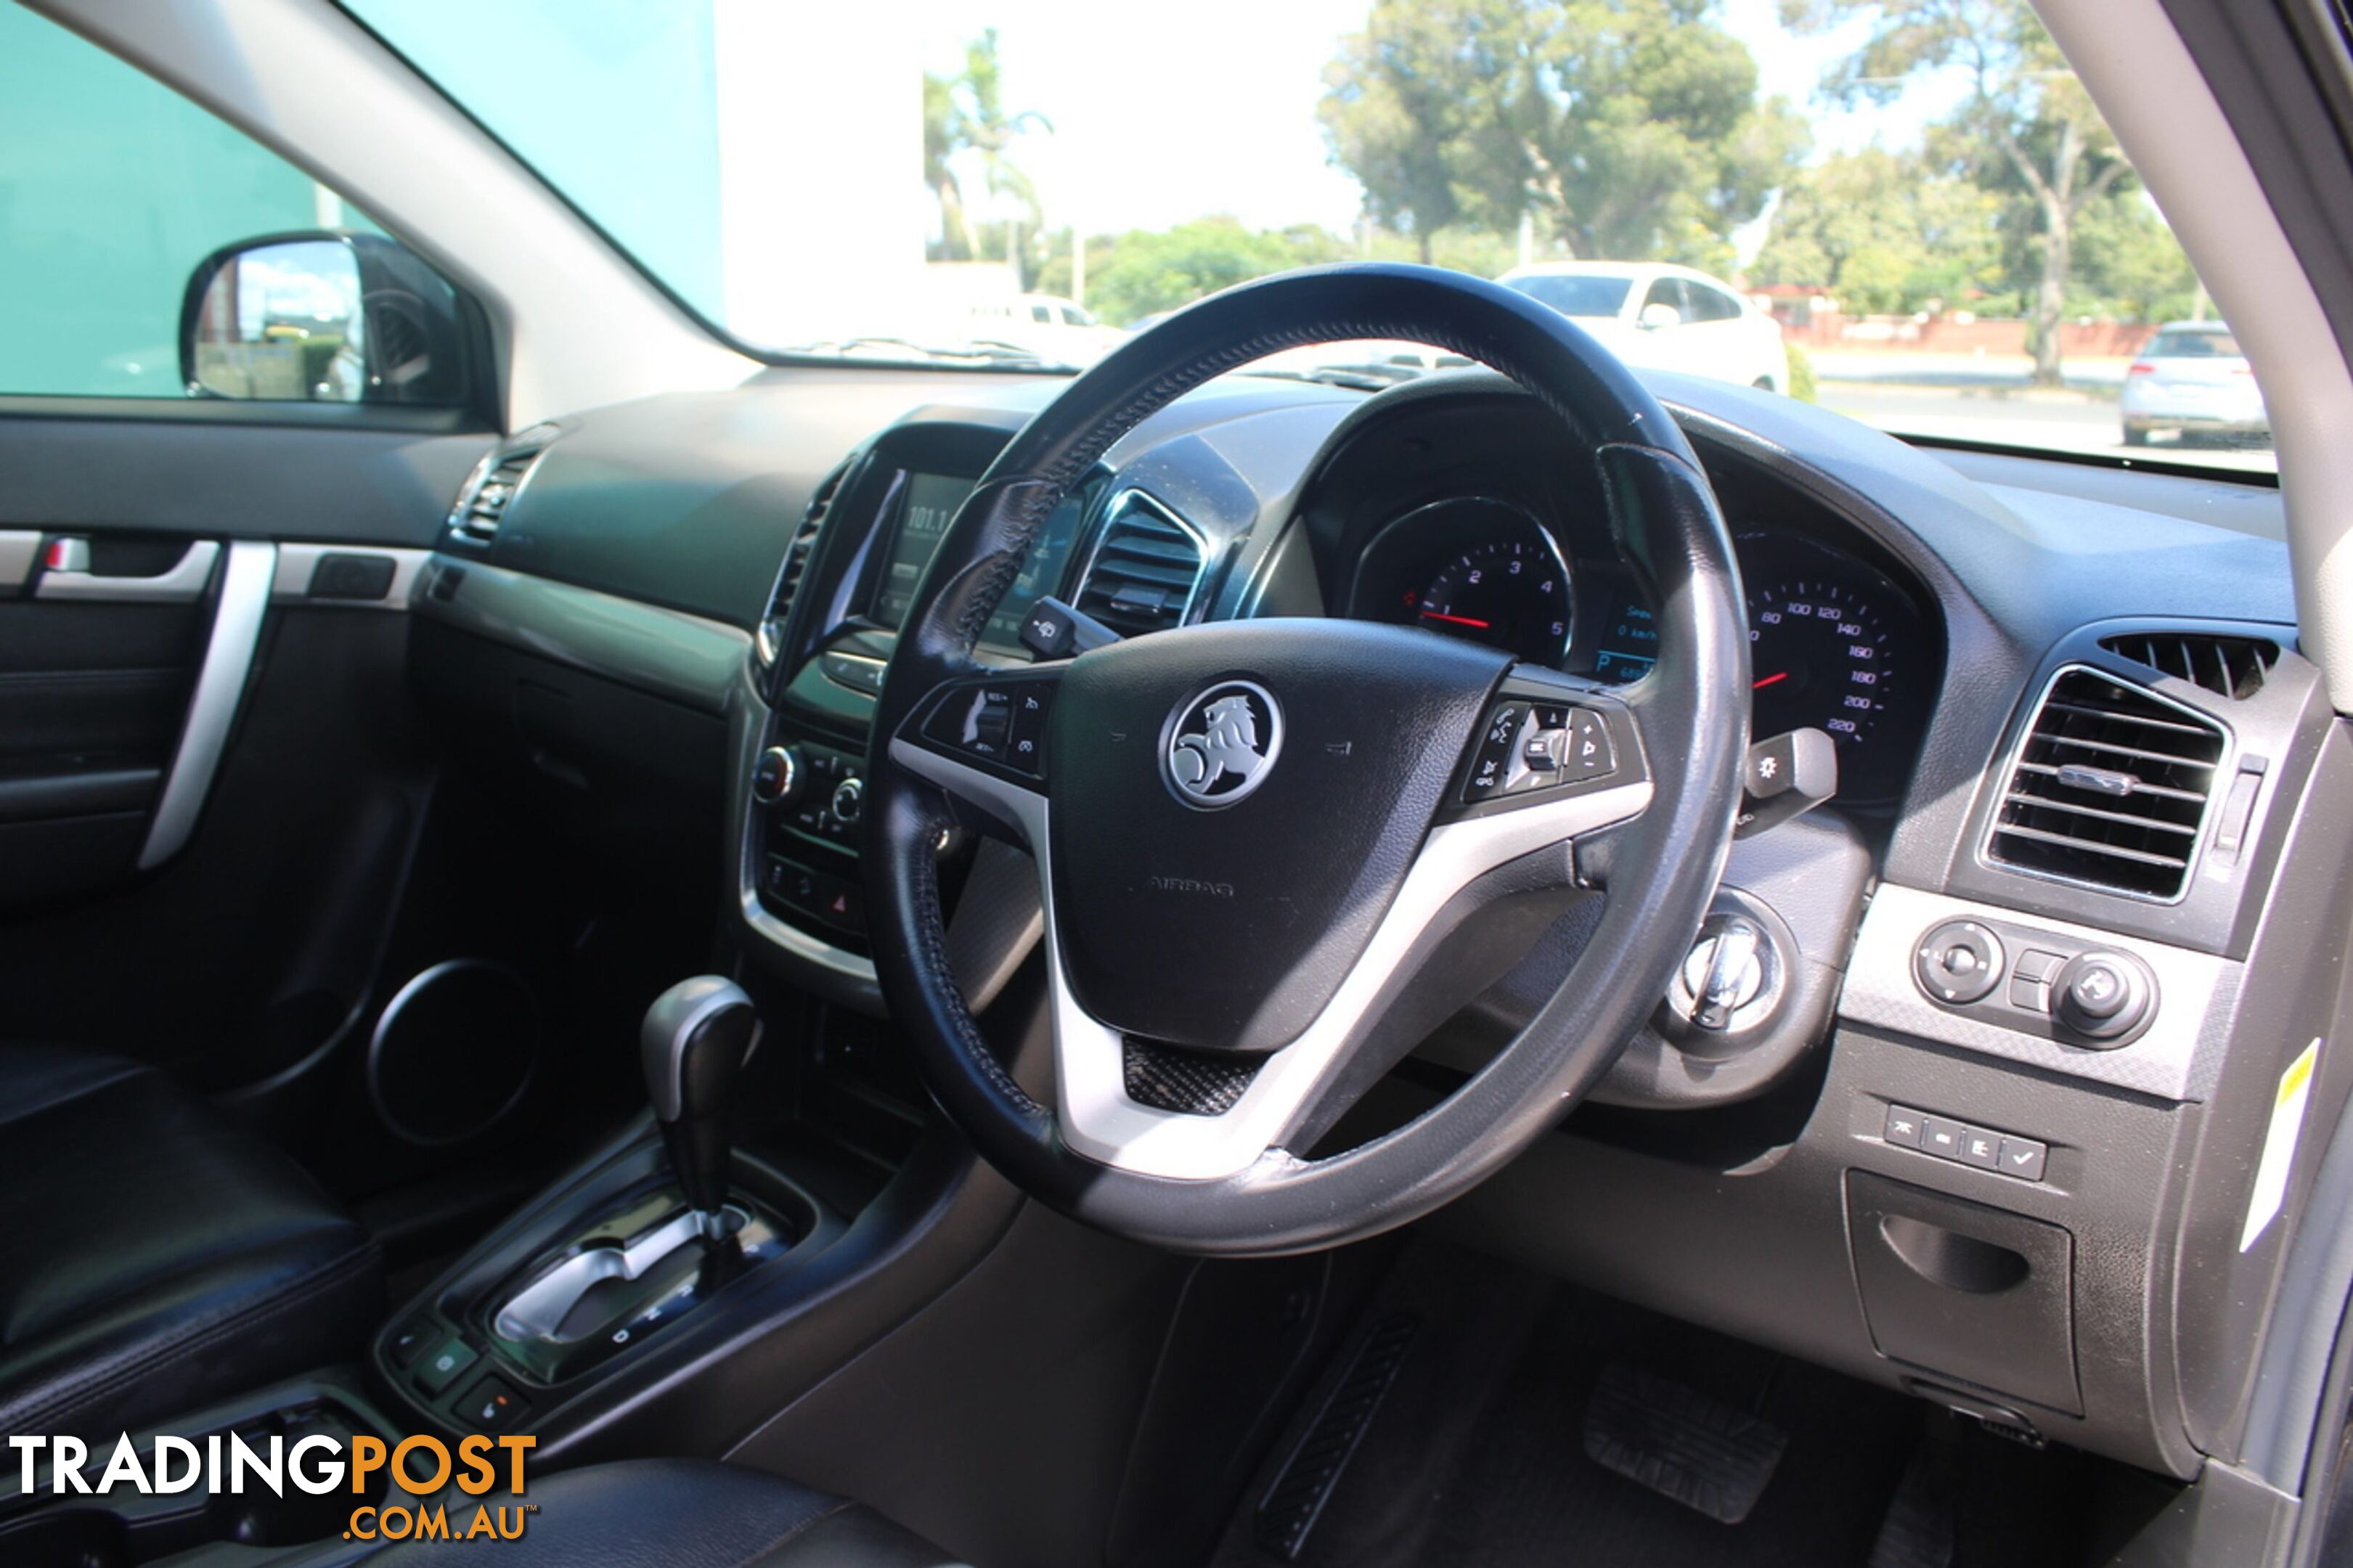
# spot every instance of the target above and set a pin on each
(686, 658)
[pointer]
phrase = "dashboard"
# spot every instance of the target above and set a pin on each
(685, 611)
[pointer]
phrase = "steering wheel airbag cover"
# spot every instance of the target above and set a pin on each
(1230, 929)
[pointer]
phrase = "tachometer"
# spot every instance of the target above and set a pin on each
(1511, 594)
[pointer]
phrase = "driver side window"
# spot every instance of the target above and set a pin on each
(112, 189)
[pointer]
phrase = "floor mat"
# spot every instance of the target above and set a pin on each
(1682, 1444)
(1477, 1457)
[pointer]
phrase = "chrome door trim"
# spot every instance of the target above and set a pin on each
(220, 688)
(19, 548)
(185, 584)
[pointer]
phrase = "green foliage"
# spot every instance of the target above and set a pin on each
(2026, 131)
(1460, 249)
(2129, 265)
(1884, 234)
(1625, 129)
(1143, 273)
(1391, 120)
(1801, 374)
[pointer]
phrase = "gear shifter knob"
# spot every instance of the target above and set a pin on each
(696, 1037)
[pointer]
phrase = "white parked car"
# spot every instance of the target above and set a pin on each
(1047, 325)
(1663, 317)
(2192, 380)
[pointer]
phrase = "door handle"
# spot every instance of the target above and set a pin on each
(65, 575)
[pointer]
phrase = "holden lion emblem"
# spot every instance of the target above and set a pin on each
(1222, 745)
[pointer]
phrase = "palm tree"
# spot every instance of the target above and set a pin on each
(966, 112)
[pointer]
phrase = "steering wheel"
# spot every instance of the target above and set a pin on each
(1251, 835)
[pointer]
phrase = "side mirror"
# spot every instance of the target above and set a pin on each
(324, 317)
(1654, 317)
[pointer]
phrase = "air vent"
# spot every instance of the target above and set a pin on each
(2228, 667)
(1146, 568)
(769, 644)
(2110, 788)
(493, 485)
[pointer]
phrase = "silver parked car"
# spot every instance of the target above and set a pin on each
(2192, 380)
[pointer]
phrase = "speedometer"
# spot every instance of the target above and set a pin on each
(1821, 656)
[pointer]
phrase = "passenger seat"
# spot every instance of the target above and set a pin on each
(155, 1258)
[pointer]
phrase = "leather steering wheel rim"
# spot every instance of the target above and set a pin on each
(1659, 866)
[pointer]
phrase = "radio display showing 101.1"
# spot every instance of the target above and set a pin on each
(927, 505)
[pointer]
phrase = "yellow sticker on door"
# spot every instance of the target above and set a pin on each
(2279, 1146)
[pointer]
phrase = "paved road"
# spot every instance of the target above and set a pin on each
(2012, 370)
(2073, 423)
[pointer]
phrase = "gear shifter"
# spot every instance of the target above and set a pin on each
(696, 1037)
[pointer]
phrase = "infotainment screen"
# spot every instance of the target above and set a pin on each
(926, 503)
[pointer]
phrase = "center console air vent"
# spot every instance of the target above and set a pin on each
(491, 488)
(1146, 570)
(2109, 789)
(2228, 667)
(768, 645)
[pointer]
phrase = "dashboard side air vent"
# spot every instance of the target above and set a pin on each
(768, 644)
(2109, 788)
(496, 480)
(1146, 569)
(2228, 667)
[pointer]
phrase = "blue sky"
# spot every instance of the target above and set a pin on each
(1154, 124)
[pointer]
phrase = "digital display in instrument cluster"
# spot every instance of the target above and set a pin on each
(1629, 642)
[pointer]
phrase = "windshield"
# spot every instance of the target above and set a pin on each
(1907, 210)
(1576, 296)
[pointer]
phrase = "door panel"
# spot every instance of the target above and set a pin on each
(211, 775)
(92, 696)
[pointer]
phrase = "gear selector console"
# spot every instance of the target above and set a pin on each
(614, 1257)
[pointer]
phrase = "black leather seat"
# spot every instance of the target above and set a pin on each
(658, 1513)
(153, 1258)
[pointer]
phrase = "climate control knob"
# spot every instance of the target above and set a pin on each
(849, 800)
(776, 775)
(2102, 997)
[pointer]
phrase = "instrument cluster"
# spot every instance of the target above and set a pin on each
(1834, 644)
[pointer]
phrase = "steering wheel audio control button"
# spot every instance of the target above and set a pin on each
(1589, 754)
(1959, 963)
(1493, 767)
(1528, 746)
